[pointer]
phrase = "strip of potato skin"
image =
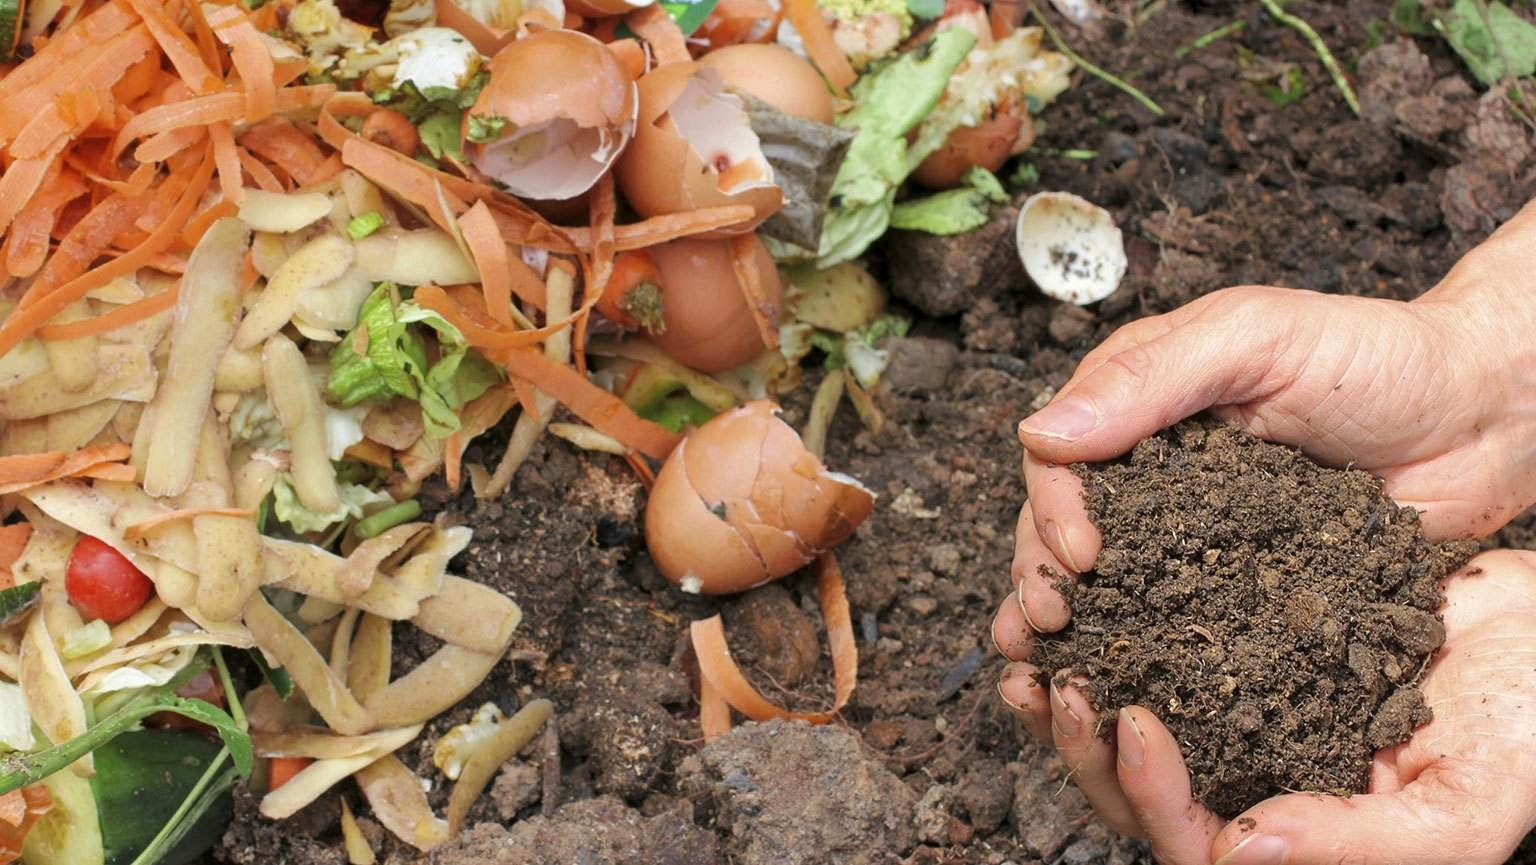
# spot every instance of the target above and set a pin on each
(204, 324)
(296, 400)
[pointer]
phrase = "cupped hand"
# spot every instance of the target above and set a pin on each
(1462, 791)
(1437, 397)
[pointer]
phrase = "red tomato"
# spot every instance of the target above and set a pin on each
(102, 584)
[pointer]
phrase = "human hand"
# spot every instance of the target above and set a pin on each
(1437, 397)
(1462, 791)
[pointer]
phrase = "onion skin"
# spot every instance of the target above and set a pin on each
(708, 324)
(741, 502)
(988, 145)
(775, 75)
(659, 173)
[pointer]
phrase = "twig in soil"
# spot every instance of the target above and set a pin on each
(551, 792)
(1319, 46)
(1216, 35)
(1123, 86)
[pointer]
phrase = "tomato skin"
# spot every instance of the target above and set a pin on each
(102, 584)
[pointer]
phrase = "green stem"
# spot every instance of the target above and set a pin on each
(1319, 47)
(394, 515)
(1215, 35)
(164, 839)
(236, 710)
(20, 770)
(1108, 78)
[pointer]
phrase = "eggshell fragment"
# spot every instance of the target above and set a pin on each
(776, 75)
(605, 8)
(568, 107)
(988, 144)
(708, 324)
(1070, 247)
(741, 502)
(694, 148)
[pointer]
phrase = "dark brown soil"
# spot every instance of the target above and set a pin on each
(1226, 188)
(1277, 615)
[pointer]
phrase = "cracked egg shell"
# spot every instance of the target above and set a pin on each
(569, 107)
(987, 144)
(741, 502)
(694, 148)
(1070, 247)
(776, 75)
(708, 324)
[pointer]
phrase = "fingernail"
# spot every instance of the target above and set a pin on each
(1067, 722)
(1062, 547)
(1024, 608)
(1131, 744)
(1067, 419)
(1009, 673)
(1257, 850)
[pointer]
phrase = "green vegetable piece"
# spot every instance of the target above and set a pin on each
(687, 14)
(394, 515)
(142, 778)
(953, 211)
(679, 411)
(1288, 87)
(888, 103)
(277, 677)
(485, 127)
(1496, 47)
(925, 8)
(364, 224)
(648, 387)
(17, 600)
(440, 134)
(86, 640)
(354, 498)
(1408, 17)
(10, 28)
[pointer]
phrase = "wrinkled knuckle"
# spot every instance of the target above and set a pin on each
(1137, 365)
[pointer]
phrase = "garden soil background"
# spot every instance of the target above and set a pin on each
(926, 765)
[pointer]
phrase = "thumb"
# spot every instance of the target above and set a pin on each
(1375, 829)
(1127, 395)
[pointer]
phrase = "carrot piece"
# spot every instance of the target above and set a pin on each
(717, 667)
(207, 43)
(199, 223)
(280, 770)
(490, 254)
(252, 60)
(744, 262)
(278, 141)
(656, 27)
(87, 33)
(85, 241)
(714, 712)
(812, 26)
(227, 159)
(1004, 17)
(260, 174)
(22, 178)
(120, 472)
(604, 411)
(395, 172)
(13, 539)
(26, 319)
(630, 270)
(141, 78)
(526, 398)
(27, 244)
(23, 471)
(163, 146)
(120, 317)
(486, 40)
(177, 46)
(642, 469)
(137, 530)
(197, 111)
(108, 62)
(453, 460)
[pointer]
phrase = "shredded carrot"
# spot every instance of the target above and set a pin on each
(144, 527)
(108, 321)
(210, 109)
(1004, 17)
(630, 270)
(604, 411)
(483, 238)
(526, 397)
(278, 141)
(720, 670)
(750, 279)
(108, 61)
(13, 539)
(199, 223)
(252, 60)
(88, 33)
(714, 712)
(811, 24)
(178, 47)
(400, 174)
(280, 770)
(86, 240)
(28, 242)
(23, 471)
(120, 472)
(12, 835)
(635, 235)
(642, 469)
(453, 455)
(22, 178)
(160, 148)
(372, 453)
(656, 27)
(260, 174)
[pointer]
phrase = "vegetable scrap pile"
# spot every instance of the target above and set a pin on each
(268, 268)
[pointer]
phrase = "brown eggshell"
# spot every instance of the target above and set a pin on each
(660, 173)
(709, 326)
(604, 8)
(746, 473)
(988, 145)
(776, 75)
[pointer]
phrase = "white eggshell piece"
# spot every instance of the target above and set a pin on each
(1070, 247)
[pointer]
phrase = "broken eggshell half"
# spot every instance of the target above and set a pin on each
(740, 502)
(1070, 247)
(566, 108)
(695, 148)
(605, 8)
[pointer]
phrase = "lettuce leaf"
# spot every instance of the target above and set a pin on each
(393, 361)
(15, 722)
(354, 498)
(953, 211)
(888, 103)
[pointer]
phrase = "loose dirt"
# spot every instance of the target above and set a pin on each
(1275, 614)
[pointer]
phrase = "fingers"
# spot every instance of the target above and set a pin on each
(1076, 729)
(1375, 829)
(1011, 634)
(1021, 692)
(1061, 517)
(1156, 784)
(1205, 356)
